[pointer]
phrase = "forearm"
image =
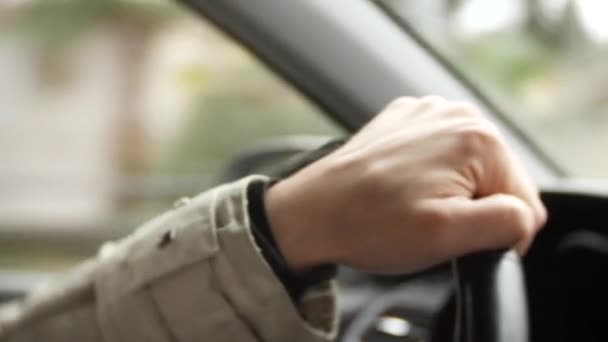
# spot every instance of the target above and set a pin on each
(193, 272)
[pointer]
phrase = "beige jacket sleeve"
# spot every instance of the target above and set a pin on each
(191, 274)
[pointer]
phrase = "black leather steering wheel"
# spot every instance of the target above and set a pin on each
(491, 304)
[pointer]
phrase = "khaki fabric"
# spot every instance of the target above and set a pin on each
(191, 274)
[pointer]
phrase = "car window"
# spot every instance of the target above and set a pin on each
(111, 110)
(543, 62)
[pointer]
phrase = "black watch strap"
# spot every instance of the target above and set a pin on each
(295, 283)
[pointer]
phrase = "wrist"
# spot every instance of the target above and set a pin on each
(298, 236)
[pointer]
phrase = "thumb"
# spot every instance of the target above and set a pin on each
(491, 222)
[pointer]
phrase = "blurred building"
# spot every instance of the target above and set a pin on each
(74, 123)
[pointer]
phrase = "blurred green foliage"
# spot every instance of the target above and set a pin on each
(509, 59)
(55, 24)
(242, 108)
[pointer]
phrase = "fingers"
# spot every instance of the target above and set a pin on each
(501, 172)
(509, 202)
(504, 173)
(519, 183)
(492, 222)
(503, 207)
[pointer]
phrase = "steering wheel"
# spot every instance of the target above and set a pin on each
(488, 304)
(491, 303)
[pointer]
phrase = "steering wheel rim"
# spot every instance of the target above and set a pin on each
(491, 304)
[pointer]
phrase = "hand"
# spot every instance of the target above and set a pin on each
(426, 180)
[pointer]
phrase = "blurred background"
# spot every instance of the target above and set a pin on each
(543, 62)
(110, 110)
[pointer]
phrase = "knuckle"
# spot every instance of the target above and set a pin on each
(543, 216)
(518, 217)
(401, 101)
(375, 172)
(464, 109)
(521, 222)
(432, 100)
(372, 176)
(478, 138)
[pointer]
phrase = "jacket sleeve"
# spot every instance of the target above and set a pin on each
(191, 274)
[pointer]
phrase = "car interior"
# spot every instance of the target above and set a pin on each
(365, 56)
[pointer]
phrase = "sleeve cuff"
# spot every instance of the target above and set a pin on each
(296, 284)
(250, 283)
